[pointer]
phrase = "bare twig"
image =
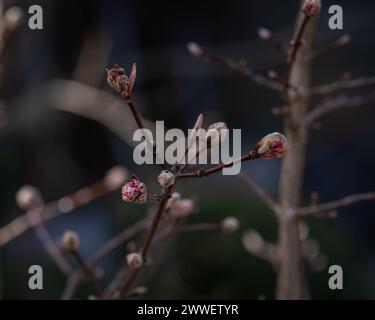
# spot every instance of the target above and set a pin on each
(262, 194)
(339, 43)
(71, 285)
(340, 102)
(64, 205)
(239, 67)
(47, 241)
(344, 202)
(89, 272)
(334, 87)
(252, 155)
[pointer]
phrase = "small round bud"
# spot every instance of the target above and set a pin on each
(173, 200)
(115, 177)
(134, 260)
(264, 34)
(195, 49)
(166, 179)
(28, 198)
(183, 208)
(343, 40)
(311, 7)
(134, 191)
(70, 241)
(12, 17)
(273, 145)
(252, 241)
(230, 225)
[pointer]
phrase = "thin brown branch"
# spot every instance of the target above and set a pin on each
(328, 206)
(88, 271)
(239, 67)
(339, 43)
(337, 86)
(252, 155)
(296, 44)
(118, 240)
(257, 246)
(47, 241)
(134, 273)
(262, 194)
(340, 102)
(267, 36)
(64, 205)
(71, 286)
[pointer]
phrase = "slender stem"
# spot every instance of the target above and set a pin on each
(47, 242)
(88, 271)
(136, 115)
(340, 203)
(252, 155)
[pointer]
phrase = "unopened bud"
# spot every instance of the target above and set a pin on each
(195, 49)
(118, 80)
(134, 191)
(166, 179)
(173, 200)
(28, 198)
(12, 17)
(343, 40)
(311, 7)
(264, 34)
(230, 225)
(134, 260)
(70, 241)
(273, 145)
(115, 177)
(182, 208)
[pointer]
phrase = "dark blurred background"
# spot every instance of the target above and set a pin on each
(58, 151)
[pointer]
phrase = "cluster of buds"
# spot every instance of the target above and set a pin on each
(70, 241)
(272, 146)
(311, 7)
(28, 198)
(230, 225)
(166, 179)
(179, 208)
(134, 260)
(118, 80)
(134, 191)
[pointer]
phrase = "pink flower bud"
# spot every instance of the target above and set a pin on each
(134, 191)
(134, 260)
(311, 7)
(118, 80)
(166, 179)
(273, 145)
(70, 241)
(230, 225)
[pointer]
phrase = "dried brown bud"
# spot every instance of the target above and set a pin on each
(166, 179)
(230, 225)
(134, 260)
(273, 145)
(311, 7)
(70, 241)
(28, 198)
(118, 80)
